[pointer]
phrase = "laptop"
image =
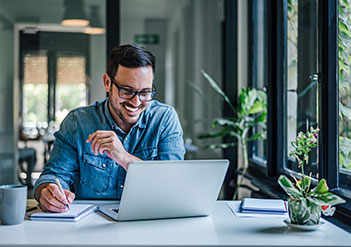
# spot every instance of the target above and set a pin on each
(168, 189)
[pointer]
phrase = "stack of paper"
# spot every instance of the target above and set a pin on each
(263, 206)
(252, 207)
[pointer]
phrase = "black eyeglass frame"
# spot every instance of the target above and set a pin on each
(153, 91)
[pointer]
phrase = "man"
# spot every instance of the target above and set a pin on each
(96, 144)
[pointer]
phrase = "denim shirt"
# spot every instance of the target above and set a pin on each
(157, 135)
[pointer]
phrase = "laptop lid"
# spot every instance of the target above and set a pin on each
(169, 189)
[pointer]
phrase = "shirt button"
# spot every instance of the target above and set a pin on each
(121, 186)
(103, 165)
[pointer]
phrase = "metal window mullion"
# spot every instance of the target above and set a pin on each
(329, 142)
(277, 114)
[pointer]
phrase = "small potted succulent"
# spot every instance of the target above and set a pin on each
(307, 203)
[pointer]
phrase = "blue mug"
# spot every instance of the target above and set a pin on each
(13, 203)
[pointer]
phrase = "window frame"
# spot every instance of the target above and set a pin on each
(53, 47)
(329, 141)
(259, 162)
(277, 104)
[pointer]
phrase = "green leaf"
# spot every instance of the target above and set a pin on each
(329, 199)
(223, 122)
(261, 117)
(289, 187)
(343, 28)
(346, 111)
(321, 187)
(341, 10)
(259, 135)
(346, 2)
(345, 144)
(251, 98)
(256, 108)
(215, 86)
(304, 183)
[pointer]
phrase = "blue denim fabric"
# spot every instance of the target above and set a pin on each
(157, 135)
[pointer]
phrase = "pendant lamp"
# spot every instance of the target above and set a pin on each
(95, 26)
(74, 15)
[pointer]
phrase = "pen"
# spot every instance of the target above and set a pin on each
(62, 192)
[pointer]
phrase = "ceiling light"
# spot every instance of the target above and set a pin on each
(95, 26)
(74, 15)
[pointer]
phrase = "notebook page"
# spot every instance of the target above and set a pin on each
(75, 211)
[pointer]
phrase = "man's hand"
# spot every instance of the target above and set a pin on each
(104, 141)
(51, 198)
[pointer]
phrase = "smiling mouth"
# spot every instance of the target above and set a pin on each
(131, 109)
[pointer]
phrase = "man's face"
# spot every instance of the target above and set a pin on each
(126, 112)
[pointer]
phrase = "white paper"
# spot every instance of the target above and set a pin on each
(235, 208)
(77, 212)
(257, 204)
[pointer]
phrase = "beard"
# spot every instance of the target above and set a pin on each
(118, 110)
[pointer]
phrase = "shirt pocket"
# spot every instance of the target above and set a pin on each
(146, 153)
(96, 173)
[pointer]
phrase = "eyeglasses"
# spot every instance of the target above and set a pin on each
(129, 93)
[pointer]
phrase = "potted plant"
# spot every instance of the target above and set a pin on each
(251, 110)
(307, 203)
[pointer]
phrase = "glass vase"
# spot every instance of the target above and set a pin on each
(303, 212)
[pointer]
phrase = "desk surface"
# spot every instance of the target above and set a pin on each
(222, 228)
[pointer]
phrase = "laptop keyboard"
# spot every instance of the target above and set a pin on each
(115, 210)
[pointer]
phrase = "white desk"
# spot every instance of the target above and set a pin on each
(220, 229)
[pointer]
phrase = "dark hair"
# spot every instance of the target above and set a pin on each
(130, 56)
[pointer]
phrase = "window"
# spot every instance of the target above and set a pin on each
(35, 88)
(344, 89)
(302, 85)
(258, 69)
(54, 77)
(308, 84)
(71, 89)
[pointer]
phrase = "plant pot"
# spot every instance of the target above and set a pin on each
(303, 212)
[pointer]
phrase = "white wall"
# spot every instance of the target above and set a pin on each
(98, 65)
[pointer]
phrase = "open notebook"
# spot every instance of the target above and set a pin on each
(76, 213)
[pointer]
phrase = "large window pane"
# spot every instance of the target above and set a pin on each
(185, 37)
(259, 69)
(35, 89)
(344, 94)
(303, 88)
(71, 90)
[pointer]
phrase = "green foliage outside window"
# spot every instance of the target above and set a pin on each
(35, 102)
(69, 97)
(344, 40)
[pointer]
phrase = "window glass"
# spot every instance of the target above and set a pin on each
(302, 85)
(71, 90)
(344, 93)
(186, 37)
(259, 70)
(35, 89)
